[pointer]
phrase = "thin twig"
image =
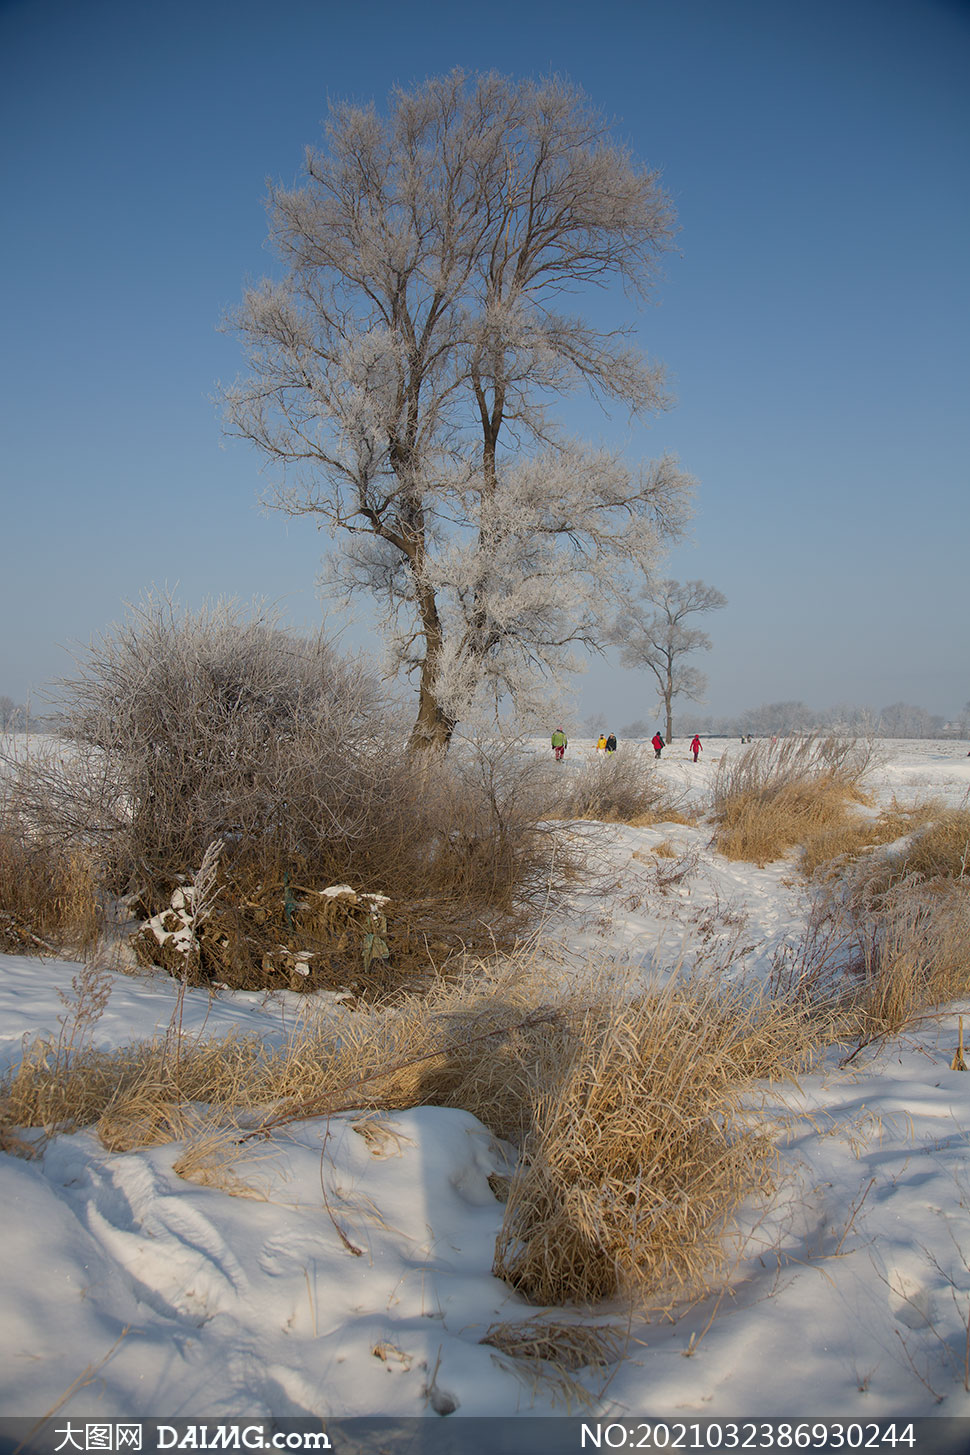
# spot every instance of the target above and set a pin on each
(848, 1226)
(351, 1247)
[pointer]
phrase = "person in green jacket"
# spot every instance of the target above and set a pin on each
(559, 744)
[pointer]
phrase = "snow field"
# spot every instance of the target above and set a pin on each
(355, 1278)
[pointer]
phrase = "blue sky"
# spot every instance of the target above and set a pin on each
(815, 319)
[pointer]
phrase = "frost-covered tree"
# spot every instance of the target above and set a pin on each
(404, 368)
(13, 715)
(658, 636)
(781, 719)
(906, 720)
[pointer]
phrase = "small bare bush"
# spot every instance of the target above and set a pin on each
(190, 728)
(775, 796)
(618, 788)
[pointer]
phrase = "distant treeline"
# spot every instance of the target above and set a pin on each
(900, 720)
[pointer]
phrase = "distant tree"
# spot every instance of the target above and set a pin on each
(13, 715)
(905, 720)
(402, 373)
(660, 639)
(779, 718)
(848, 718)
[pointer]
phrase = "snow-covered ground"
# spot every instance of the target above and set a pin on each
(849, 1295)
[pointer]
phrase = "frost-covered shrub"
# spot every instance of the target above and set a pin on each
(189, 728)
(182, 731)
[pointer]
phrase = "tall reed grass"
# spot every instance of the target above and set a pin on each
(776, 796)
(49, 897)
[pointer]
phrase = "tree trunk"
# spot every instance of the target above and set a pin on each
(433, 727)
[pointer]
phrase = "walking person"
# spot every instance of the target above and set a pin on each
(658, 744)
(601, 743)
(696, 746)
(611, 744)
(559, 744)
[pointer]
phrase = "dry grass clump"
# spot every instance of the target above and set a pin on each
(137, 1096)
(211, 1159)
(830, 850)
(617, 788)
(890, 933)
(937, 852)
(419, 1050)
(775, 796)
(564, 1345)
(49, 900)
(548, 1353)
(914, 955)
(642, 1147)
(48, 891)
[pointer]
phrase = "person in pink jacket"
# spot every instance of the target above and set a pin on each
(695, 746)
(658, 744)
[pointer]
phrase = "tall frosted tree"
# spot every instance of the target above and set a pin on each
(405, 366)
(659, 636)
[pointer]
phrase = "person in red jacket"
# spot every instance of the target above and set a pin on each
(658, 744)
(695, 746)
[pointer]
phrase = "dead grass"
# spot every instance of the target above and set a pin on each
(938, 851)
(136, 1096)
(831, 850)
(915, 955)
(49, 901)
(564, 1346)
(211, 1159)
(642, 1146)
(890, 930)
(775, 796)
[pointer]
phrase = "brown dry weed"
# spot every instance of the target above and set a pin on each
(776, 796)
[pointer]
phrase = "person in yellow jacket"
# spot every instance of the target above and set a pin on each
(559, 744)
(601, 743)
